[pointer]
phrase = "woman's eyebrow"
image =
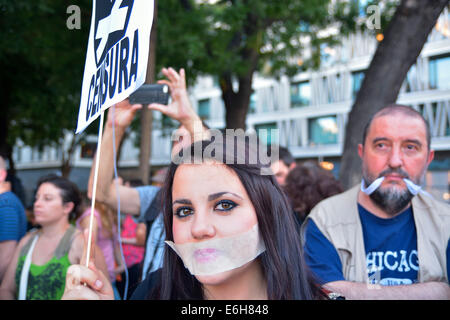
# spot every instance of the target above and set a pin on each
(47, 194)
(214, 196)
(211, 197)
(182, 201)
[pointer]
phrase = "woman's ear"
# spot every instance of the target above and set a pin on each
(68, 207)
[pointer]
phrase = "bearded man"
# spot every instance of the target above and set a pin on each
(387, 238)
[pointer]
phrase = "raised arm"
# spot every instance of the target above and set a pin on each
(180, 108)
(106, 190)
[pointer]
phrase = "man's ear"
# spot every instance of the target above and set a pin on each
(360, 150)
(430, 157)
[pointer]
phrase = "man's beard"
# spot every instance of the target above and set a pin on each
(391, 200)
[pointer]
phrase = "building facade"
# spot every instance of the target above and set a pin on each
(309, 111)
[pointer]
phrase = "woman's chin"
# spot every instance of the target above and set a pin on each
(214, 279)
(222, 277)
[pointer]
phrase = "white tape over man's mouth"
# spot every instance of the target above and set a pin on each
(221, 254)
(412, 187)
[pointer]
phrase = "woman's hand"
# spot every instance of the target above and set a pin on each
(123, 114)
(180, 108)
(84, 283)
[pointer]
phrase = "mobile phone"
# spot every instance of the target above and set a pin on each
(150, 93)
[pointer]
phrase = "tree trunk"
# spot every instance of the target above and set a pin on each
(66, 163)
(66, 168)
(237, 103)
(403, 41)
(5, 148)
(146, 114)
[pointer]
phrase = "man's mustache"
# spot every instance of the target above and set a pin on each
(398, 171)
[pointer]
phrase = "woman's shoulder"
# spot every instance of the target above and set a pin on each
(27, 237)
(77, 238)
(87, 213)
(76, 246)
(26, 240)
(144, 289)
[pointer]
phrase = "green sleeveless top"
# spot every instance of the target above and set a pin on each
(47, 282)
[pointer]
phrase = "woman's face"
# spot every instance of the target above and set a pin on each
(210, 202)
(49, 206)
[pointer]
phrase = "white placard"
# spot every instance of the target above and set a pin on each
(117, 55)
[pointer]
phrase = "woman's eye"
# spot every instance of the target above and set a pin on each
(184, 212)
(225, 205)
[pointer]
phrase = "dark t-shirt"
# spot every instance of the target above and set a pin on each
(390, 245)
(13, 221)
(144, 289)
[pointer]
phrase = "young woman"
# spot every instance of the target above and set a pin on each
(104, 231)
(232, 229)
(38, 268)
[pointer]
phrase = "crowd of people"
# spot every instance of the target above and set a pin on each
(214, 225)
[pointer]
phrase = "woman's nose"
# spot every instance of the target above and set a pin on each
(202, 226)
(36, 202)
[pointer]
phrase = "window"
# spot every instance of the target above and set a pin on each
(439, 72)
(331, 87)
(40, 154)
(411, 78)
(88, 150)
(203, 109)
(300, 94)
(323, 130)
(18, 154)
(267, 133)
(252, 105)
(59, 153)
(357, 79)
(362, 7)
(325, 53)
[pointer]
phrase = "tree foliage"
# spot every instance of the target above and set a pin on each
(232, 39)
(42, 67)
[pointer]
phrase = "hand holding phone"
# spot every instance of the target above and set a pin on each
(150, 93)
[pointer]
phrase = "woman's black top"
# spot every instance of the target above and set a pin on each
(143, 290)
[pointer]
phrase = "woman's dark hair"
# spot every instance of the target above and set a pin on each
(283, 263)
(308, 184)
(68, 190)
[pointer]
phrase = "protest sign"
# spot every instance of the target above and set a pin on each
(116, 65)
(117, 55)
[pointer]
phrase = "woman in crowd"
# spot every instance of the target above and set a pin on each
(104, 231)
(229, 224)
(38, 268)
(308, 184)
